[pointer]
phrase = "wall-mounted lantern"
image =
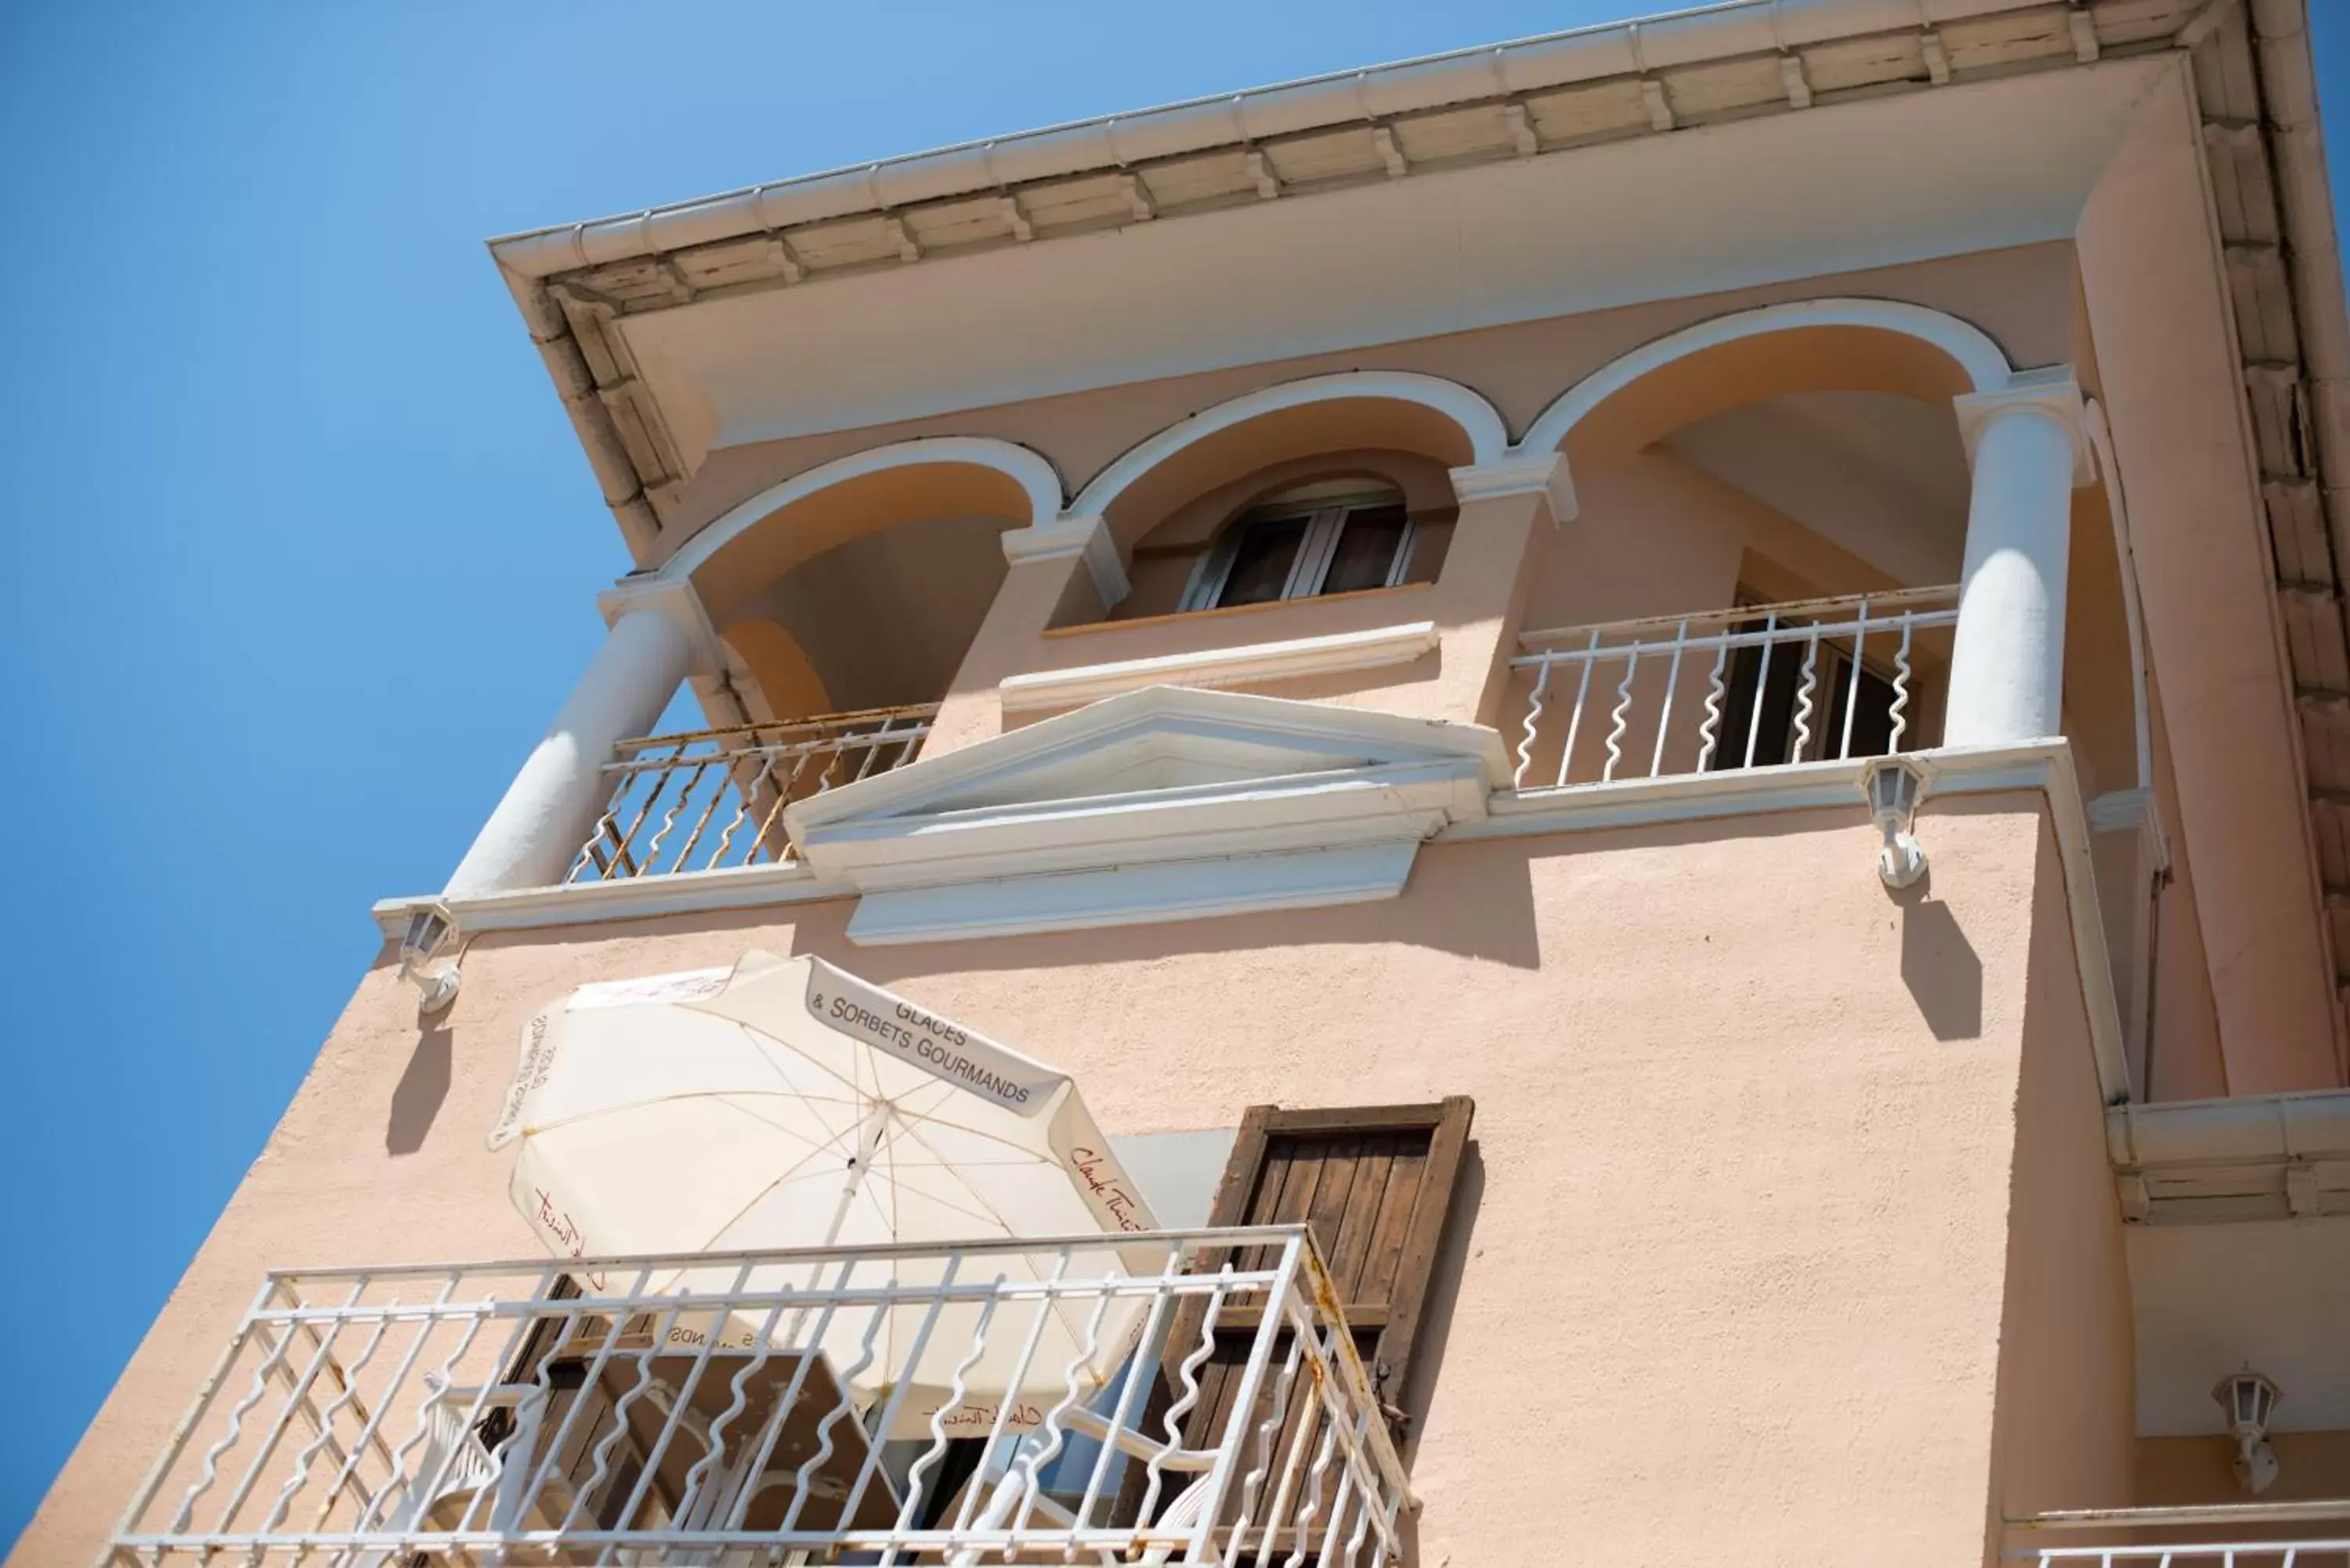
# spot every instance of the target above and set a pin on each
(1895, 785)
(430, 932)
(2249, 1400)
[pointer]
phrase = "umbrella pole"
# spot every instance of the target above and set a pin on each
(868, 1144)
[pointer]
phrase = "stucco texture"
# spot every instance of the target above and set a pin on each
(1742, 1212)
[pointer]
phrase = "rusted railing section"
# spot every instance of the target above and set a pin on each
(1756, 685)
(708, 799)
(2311, 1535)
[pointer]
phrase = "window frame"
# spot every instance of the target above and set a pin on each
(1836, 687)
(1310, 567)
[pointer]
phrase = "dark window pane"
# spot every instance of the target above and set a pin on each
(1872, 719)
(1261, 561)
(1773, 720)
(1367, 550)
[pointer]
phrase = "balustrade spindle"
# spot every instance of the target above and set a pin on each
(680, 786)
(1807, 683)
(1852, 692)
(1664, 712)
(1746, 644)
(1582, 690)
(1761, 689)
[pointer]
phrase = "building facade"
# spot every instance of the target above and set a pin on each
(1684, 685)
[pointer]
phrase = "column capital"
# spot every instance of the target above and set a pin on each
(1084, 534)
(674, 601)
(2052, 394)
(1519, 473)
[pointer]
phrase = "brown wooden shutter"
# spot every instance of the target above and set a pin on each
(1375, 1184)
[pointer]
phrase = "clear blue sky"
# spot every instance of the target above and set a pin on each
(302, 551)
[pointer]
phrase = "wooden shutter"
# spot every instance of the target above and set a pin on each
(1375, 1184)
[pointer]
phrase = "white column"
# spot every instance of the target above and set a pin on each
(553, 804)
(2026, 449)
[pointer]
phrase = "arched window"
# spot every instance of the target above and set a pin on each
(1329, 536)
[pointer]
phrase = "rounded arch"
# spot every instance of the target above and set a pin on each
(783, 680)
(1969, 351)
(1482, 435)
(997, 477)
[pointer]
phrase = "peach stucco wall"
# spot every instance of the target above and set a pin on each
(2184, 1472)
(2067, 1417)
(1743, 1208)
(2166, 364)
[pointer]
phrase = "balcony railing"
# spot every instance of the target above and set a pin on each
(784, 1407)
(711, 799)
(2314, 1534)
(1814, 680)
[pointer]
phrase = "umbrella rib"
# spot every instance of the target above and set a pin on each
(1061, 1308)
(921, 1118)
(589, 1116)
(757, 1034)
(761, 1195)
(990, 1211)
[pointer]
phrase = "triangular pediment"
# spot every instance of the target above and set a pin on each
(1165, 738)
(1152, 805)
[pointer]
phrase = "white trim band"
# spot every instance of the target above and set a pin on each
(1245, 665)
(1523, 473)
(1089, 901)
(1080, 536)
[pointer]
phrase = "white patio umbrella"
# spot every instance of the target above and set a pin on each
(787, 1105)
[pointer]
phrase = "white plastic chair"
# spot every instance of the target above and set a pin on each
(1008, 1478)
(459, 1469)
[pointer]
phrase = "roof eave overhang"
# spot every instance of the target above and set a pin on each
(1542, 96)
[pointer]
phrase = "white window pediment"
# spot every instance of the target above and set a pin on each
(1164, 804)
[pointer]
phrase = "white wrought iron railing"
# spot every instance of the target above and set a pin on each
(1814, 680)
(600, 1411)
(710, 799)
(2310, 1534)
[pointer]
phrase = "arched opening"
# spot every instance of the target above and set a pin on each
(879, 620)
(1240, 485)
(861, 584)
(1762, 494)
(1330, 534)
(844, 600)
(1309, 527)
(1774, 521)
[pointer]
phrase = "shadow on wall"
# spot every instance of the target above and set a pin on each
(1940, 966)
(1436, 1316)
(416, 1099)
(1467, 899)
(1443, 1293)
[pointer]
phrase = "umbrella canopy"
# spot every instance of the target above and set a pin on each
(785, 1105)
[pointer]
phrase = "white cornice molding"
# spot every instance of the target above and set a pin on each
(1075, 536)
(675, 601)
(1637, 50)
(1245, 665)
(2050, 393)
(1157, 805)
(2268, 1157)
(720, 244)
(630, 899)
(1180, 890)
(1333, 735)
(1344, 807)
(1521, 473)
